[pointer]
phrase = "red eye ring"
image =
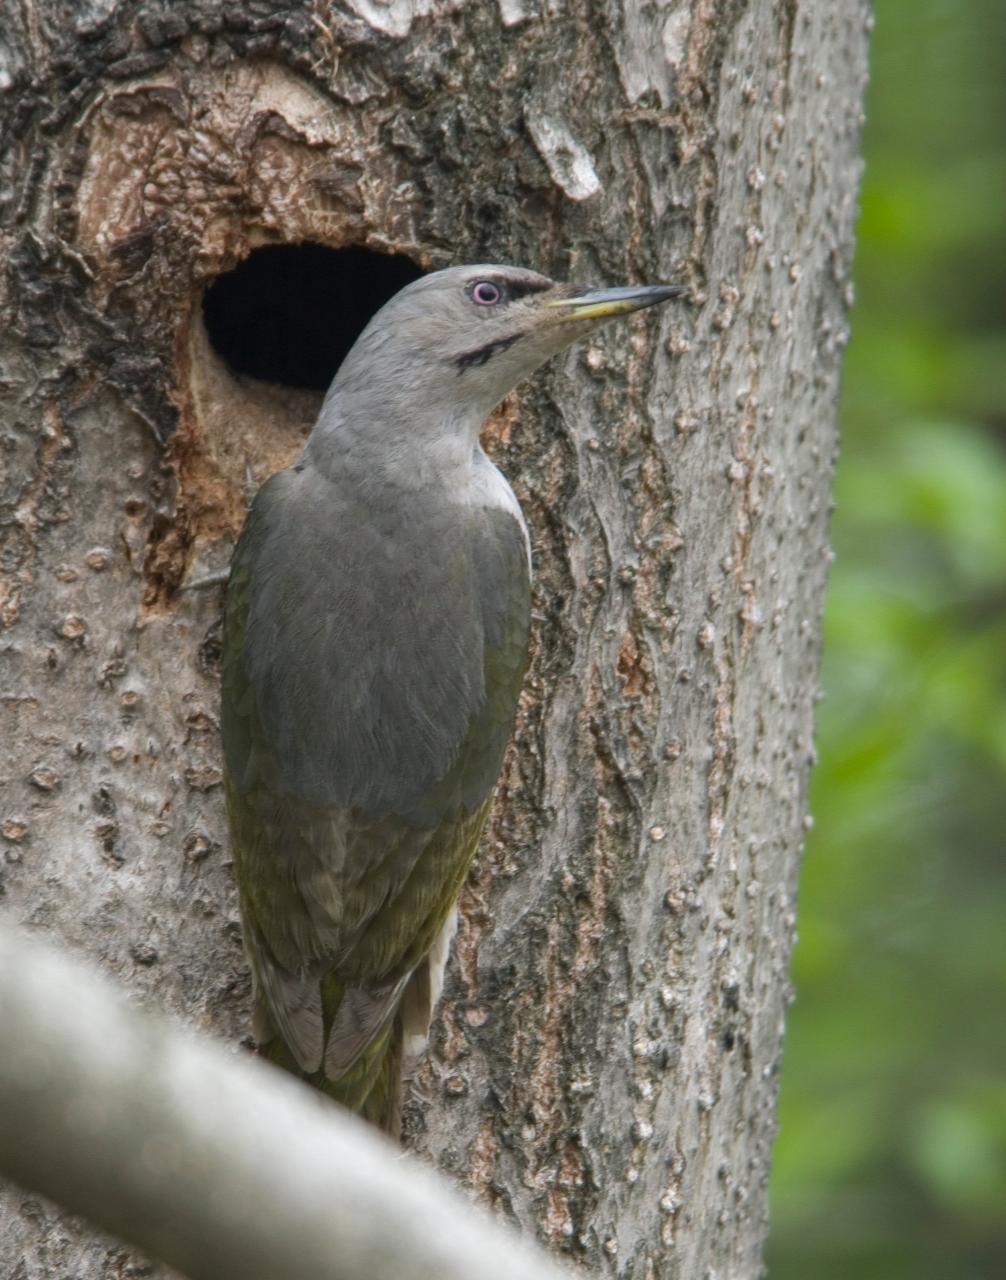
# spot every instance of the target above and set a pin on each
(485, 293)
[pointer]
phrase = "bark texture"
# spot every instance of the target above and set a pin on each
(603, 1070)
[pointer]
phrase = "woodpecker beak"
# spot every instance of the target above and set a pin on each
(597, 304)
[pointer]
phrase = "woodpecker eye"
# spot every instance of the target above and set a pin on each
(485, 293)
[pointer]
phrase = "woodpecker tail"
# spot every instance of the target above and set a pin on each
(383, 1104)
(372, 1087)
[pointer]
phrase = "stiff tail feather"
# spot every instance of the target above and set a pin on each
(372, 1087)
(376, 1032)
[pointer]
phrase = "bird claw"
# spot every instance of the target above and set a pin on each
(216, 579)
(251, 485)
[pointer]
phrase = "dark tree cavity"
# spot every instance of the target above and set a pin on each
(288, 313)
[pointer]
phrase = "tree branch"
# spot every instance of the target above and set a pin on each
(221, 1168)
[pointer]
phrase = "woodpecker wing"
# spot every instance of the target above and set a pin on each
(370, 679)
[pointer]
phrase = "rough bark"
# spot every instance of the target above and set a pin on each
(603, 1069)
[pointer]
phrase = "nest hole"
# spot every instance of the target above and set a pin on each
(289, 313)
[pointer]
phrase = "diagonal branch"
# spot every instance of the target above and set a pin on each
(224, 1169)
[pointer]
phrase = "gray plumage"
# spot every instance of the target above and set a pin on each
(376, 637)
(389, 669)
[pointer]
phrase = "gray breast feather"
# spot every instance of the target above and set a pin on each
(367, 639)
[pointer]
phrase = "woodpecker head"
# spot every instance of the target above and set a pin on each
(455, 342)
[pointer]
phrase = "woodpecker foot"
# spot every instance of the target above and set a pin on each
(251, 487)
(216, 579)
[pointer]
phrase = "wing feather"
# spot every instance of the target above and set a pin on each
(343, 904)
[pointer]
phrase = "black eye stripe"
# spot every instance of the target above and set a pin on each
(521, 288)
(511, 290)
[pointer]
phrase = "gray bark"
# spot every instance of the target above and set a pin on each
(603, 1067)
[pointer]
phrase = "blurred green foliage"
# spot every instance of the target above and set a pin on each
(891, 1158)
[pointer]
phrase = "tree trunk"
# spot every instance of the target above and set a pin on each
(603, 1068)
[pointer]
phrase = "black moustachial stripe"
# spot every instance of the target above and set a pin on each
(471, 359)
